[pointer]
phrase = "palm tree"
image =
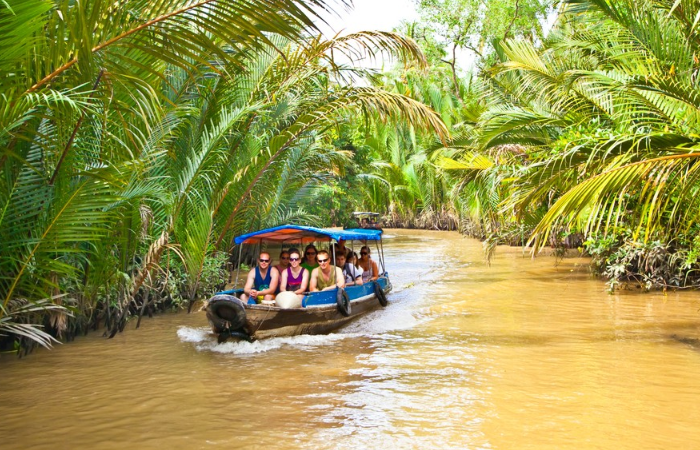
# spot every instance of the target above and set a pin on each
(81, 86)
(404, 181)
(608, 114)
(152, 132)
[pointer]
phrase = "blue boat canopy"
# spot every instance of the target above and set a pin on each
(301, 234)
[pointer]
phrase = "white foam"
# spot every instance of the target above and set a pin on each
(187, 334)
(205, 340)
(402, 313)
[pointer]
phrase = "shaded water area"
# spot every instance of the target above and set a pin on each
(523, 354)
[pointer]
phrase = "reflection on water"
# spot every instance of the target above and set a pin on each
(522, 354)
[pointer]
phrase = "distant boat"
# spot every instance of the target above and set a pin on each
(320, 312)
(367, 220)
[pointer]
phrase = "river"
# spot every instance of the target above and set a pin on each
(522, 354)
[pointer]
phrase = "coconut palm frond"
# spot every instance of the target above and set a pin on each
(372, 44)
(11, 320)
(655, 177)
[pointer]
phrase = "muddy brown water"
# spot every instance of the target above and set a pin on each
(524, 354)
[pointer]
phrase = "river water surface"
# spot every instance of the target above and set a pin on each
(524, 354)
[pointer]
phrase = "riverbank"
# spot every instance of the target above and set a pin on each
(466, 355)
(619, 260)
(635, 267)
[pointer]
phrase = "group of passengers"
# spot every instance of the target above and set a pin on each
(314, 272)
(369, 223)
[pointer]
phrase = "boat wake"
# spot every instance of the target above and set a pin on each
(393, 318)
(403, 313)
(375, 324)
(204, 340)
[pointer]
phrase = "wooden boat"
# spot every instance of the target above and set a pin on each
(321, 312)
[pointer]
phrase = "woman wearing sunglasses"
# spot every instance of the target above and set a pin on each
(295, 278)
(370, 271)
(309, 263)
(284, 262)
(262, 281)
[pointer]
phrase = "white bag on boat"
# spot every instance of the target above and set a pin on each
(288, 299)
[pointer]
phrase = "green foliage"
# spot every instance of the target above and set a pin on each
(649, 265)
(477, 26)
(177, 283)
(134, 130)
(333, 200)
(606, 113)
(589, 131)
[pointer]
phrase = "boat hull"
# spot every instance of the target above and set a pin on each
(265, 321)
(318, 316)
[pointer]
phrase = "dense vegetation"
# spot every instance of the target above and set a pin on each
(583, 136)
(138, 137)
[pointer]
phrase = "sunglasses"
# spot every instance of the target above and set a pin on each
(321, 261)
(310, 253)
(294, 259)
(364, 253)
(284, 257)
(264, 260)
